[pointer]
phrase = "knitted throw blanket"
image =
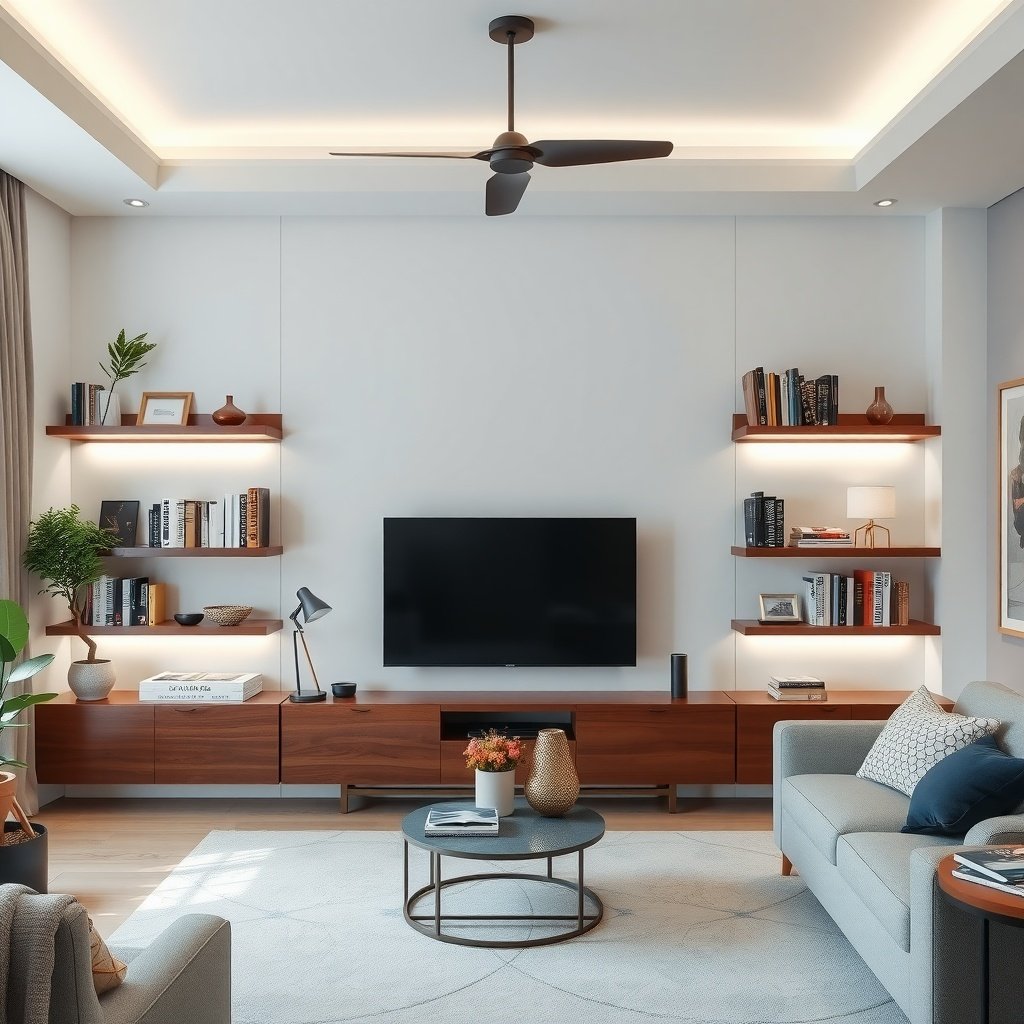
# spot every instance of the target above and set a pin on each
(28, 925)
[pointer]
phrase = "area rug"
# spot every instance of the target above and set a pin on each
(699, 927)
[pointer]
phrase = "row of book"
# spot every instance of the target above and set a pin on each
(88, 405)
(235, 521)
(863, 598)
(797, 688)
(788, 399)
(132, 601)
(819, 537)
(763, 520)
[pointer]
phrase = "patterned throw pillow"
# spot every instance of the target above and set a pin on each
(107, 971)
(918, 735)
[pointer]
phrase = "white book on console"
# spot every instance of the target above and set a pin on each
(199, 686)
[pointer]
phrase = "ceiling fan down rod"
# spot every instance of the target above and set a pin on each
(511, 30)
(511, 81)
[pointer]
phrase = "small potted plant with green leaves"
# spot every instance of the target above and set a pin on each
(64, 552)
(126, 359)
(23, 847)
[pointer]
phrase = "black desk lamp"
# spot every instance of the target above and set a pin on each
(310, 608)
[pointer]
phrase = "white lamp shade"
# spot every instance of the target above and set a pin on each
(870, 502)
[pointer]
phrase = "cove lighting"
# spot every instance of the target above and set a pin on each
(137, 203)
(886, 202)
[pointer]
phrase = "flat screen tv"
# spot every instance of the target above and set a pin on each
(509, 592)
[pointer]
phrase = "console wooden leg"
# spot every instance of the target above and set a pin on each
(344, 798)
(672, 797)
(787, 865)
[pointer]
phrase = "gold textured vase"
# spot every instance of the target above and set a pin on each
(553, 785)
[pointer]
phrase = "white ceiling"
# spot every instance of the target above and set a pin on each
(231, 106)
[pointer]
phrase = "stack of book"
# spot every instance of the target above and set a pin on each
(797, 688)
(87, 405)
(236, 521)
(479, 821)
(819, 537)
(1000, 867)
(863, 598)
(788, 399)
(763, 516)
(195, 687)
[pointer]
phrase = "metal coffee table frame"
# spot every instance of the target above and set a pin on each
(585, 828)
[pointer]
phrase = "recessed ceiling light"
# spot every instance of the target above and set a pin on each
(886, 202)
(138, 203)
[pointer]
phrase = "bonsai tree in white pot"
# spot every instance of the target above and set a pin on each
(13, 637)
(64, 552)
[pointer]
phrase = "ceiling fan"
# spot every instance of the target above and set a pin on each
(512, 155)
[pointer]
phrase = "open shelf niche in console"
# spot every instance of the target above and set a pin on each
(461, 725)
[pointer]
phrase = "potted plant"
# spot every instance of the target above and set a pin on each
(495, 757)
(125, 359)
(64, 552)
(23, 848)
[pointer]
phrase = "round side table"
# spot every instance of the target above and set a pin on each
(987, 903)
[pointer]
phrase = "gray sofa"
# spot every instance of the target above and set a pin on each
(843, 836)
(183, 977)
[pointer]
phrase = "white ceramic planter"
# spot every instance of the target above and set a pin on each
(91, 680)
(110, 409)
(496, 789)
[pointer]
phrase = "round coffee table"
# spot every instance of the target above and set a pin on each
(524, 835)
(987, 903)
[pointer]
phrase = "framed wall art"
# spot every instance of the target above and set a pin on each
(1010, 463)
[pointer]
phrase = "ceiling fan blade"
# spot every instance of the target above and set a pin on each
(575, 152)
(464, 154)
(504, 192)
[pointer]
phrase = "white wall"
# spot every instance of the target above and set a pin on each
(1005, 362)
(517, 366)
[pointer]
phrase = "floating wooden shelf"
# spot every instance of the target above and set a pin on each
(260, 426)
(851, 428)
(250, 627)
(824, 551)
(140, 552)
(751, 627)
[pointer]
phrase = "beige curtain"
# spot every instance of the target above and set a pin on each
(15, 438)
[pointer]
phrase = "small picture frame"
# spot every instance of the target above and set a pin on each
(121, 518)
(164, 408)
(779, 608)
(1010, 469)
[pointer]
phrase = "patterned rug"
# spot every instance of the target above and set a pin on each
(699, 927)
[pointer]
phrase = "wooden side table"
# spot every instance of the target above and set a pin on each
(987, 903)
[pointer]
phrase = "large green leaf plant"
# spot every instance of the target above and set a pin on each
(126, 359)
(13, 637)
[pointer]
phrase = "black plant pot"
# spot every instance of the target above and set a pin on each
(25, 863)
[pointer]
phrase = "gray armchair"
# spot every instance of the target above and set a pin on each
(183, 976)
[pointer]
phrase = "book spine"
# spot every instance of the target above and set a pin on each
(877, 589)
(157, 611)
(820, 600)
(204, 524)
(796, 418)
(762, 397)
(835, 398)
(252, 531)
(749, 387)
(759, 520)
(770, 526)
(887, 609)
(108, 601)
(140, 617)
(780, 524)
(243, 519)
(809, 604)
(76, 407)
(821, 391)
(784, 398)
(902, 603)
(750, 522)
(189, 529)
(263, 516)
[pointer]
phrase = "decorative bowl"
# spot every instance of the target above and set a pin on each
(188, 618)
(227, 614)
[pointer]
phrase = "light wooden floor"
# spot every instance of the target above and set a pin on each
(112, 853)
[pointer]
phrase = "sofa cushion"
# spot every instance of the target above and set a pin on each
(993, 700)
(826, 807)
(918, 735)
(876, 865)
(965, 788)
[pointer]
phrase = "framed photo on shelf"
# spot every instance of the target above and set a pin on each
(779, 608)
(1010, 463)
(120, 518)
(165, 408)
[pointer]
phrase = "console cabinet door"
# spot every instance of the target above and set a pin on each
(655, 744)
(754, 730)
(361, 745)
(217, 744)
(94, 743)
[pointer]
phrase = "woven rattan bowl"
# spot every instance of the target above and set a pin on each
(227, 614)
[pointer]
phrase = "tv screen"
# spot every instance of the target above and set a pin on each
(509, 592)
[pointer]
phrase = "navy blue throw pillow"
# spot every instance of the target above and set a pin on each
(977, 782)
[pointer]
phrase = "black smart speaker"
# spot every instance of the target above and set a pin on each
(678, 675)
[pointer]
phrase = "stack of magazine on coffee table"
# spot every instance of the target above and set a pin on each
(1000, 867)
(479, 821)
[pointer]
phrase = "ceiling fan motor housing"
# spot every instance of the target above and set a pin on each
(511, 154)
